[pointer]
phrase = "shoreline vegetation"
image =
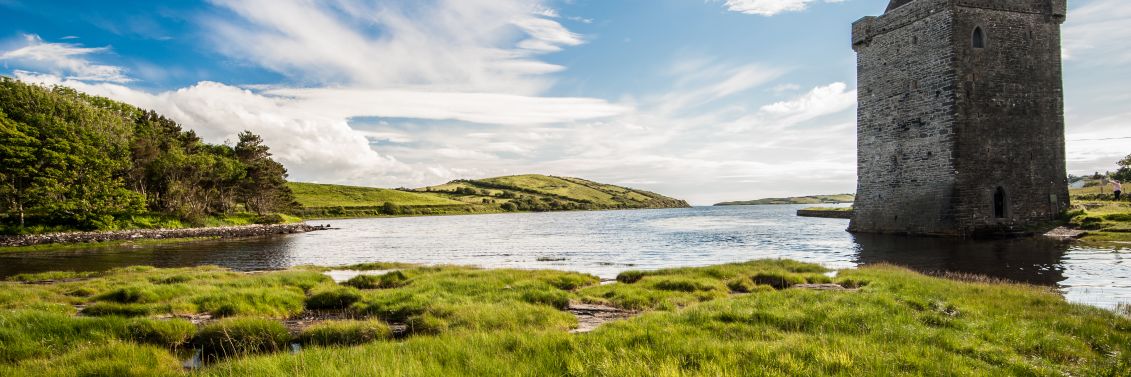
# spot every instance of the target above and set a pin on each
(517, 193)
(76, 163)
(774, 317)
(811, 199)
(29, 242)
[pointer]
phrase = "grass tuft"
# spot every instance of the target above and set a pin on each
(332, 298)
(237, 337)
(346, 332)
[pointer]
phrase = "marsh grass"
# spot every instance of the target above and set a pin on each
(467, 321)
(345, 332)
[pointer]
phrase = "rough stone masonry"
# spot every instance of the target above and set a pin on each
(960, 118)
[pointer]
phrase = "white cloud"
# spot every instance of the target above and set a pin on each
(818, 102)
(440, 45)
(64, 59)
(770, 7)
(1097, 33)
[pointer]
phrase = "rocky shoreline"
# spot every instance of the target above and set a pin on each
(139, 234)
(824, 213)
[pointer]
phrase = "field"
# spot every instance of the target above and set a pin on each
(321, 195)
(500, 194)
(749, 318)
(813, 199)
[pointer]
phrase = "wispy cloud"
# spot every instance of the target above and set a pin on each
(1096, 33)
(64, 59)
(771, 7)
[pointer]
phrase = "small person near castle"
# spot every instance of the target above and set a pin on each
(1116, 188)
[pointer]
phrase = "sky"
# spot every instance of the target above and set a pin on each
(703, 100)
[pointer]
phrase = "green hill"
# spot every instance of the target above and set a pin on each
(530, 192)
(812, 199)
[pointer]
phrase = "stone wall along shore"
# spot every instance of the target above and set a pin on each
(828, 214)
(138, 234)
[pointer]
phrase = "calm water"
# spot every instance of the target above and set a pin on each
(605, 243)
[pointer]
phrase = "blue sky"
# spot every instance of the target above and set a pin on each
(703, 100)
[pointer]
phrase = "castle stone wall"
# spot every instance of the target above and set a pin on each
(942, 125)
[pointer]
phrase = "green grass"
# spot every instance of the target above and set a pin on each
(812, 199)
(323, 195)
(724, 320)
(1107, 222)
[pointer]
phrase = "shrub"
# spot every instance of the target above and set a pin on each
(392, 279)
(778, 280)
(241, 336)
(333, 298)
(1118, 217)
(344, 333)
(167, 333)
(272, 218)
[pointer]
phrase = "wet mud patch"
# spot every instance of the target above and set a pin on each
(591, 316)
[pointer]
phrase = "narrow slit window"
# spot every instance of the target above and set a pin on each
(978, 40)
(999, 203)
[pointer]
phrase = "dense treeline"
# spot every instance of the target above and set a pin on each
(76, 161)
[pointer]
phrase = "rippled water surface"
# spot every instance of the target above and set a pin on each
(605, 243)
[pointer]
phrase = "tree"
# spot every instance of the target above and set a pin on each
(1124, 172)
(265, 187)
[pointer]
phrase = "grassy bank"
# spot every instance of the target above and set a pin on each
(812, 199)
(734, 319)
(519, 193)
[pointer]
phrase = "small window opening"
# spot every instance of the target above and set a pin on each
(999, 203)
(914, 40)
(979, 38)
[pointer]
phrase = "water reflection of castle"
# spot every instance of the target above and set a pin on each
(1029, 260)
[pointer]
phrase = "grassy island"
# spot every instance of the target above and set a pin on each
(768, 317)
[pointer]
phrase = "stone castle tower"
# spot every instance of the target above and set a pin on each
(960, 121)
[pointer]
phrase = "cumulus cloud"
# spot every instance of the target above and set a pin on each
(447, 45)
(65, 59)
(770, 7)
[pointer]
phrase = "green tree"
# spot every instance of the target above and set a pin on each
(1124, 172)
(265, 187)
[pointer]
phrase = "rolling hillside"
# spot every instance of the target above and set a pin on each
(499, 194)
(812, 199)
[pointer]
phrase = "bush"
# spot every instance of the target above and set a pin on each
(778, 280)
(347, 332)
(241, 336)
(392, 279)
(166, 333)
(271, 218)
(333, 298)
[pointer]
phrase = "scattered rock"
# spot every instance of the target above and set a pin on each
(119, 235)
(1065, 234)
